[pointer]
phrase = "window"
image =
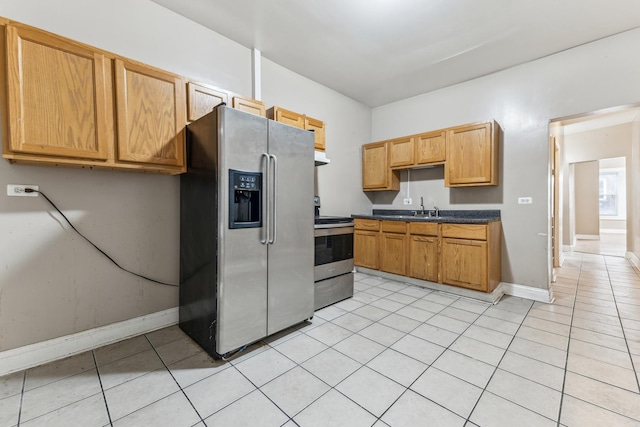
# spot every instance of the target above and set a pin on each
(608, 193)
(612, 192)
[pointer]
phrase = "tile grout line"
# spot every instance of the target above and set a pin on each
(104, 396)
(24, 382)
(174, 379)
(622, 325)
(566, 361)
(498, 367)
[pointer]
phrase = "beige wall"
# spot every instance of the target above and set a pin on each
(604, 143)
(587, 213)
(52, 283)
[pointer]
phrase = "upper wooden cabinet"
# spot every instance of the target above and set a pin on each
(376, 173)
(469, 154)
(202, 99)
(472, 155)
(59, 97)
(65, 101)
(424, 149)
(317, 126)
(431, 148)
(150, 115)
(402, 152)
(285, 116)
(301, 121)
(248, 105)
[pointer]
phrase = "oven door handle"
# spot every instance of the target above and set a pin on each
(332, 231)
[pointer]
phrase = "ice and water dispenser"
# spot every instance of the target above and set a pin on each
(245, 199)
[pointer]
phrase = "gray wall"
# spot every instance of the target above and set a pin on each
(587, 212)
(523, 100)
(52, 283)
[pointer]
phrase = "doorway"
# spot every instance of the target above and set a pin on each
(592, 155)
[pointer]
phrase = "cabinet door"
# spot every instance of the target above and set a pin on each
(365, 249)
(202, 99)
(289, 118)
(471, 156)
(317, 126)
(376, 173)
(151, 115)
(393, 255)
(423, 262)
(431, 148)
(248, 105)
(59, 96)
(402, 152)
(464, 263)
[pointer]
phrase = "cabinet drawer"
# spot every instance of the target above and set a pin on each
(367, 224)
(424, 228)
(394, 226)
(465, 231)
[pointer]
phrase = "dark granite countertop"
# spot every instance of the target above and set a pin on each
(446, 216)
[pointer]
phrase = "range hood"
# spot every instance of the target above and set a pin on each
(321, 158)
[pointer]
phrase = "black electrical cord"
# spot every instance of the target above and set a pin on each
(31, 190)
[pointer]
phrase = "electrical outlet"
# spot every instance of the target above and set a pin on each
(18, 190)
(407, 201)
(525, 200)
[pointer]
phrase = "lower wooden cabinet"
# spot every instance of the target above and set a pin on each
(393, 251)
(470, 255)
(423, 263)
(464, 255)
(366, 236)
(464, 263)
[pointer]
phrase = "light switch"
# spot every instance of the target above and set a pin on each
(525, 200)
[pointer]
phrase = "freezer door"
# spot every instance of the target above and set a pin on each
(290, 271)
(242, 258)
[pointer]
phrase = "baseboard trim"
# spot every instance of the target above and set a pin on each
(28, 356)
(522, 291)
(587, 236)
(634, 259)
(568, 248)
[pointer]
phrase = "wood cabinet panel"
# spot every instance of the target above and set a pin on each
(150, 115)
(423, 253)
(402, 152)
(393, 256)
(59, 101)
(394, 226)
(376, 173)
(424, 228)
(464, 263)
(431, 148)
(366, 248)
(202, 99)
(287, 117)
(472, 155)
(318, 128)
(465, 231)
(367, 224)
(248, 105)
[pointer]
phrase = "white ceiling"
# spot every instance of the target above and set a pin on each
(380, 51)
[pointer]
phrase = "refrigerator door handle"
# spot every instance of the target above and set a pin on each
(275, 198)
(265, 198)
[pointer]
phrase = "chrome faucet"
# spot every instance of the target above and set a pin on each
(436, 211)
(421, 206)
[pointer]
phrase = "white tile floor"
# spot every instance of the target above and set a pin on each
(393, 355)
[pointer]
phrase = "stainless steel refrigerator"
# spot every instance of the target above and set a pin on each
(246, 231)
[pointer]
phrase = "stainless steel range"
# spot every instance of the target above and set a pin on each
(333, 271)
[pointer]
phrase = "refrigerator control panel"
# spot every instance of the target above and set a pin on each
(245, 199)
